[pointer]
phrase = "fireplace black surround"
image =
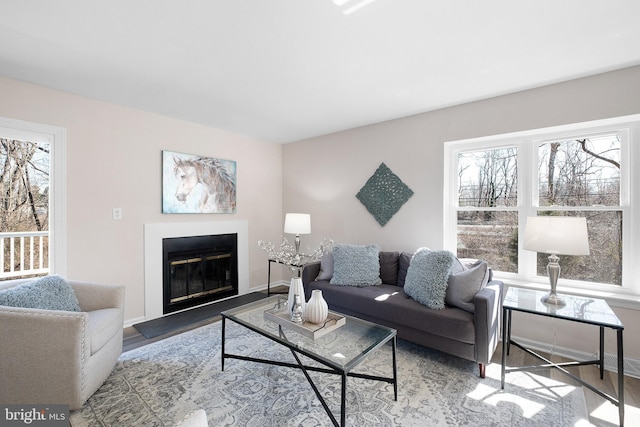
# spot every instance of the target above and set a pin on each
(198, 270)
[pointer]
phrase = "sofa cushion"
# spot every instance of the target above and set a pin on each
(403, 265)
(356, 265)
(426, 280)
(326, 266)
(463, 286)
(471, 262)
(389, 267)
(103, 324)
(46, 293)
(389, 304)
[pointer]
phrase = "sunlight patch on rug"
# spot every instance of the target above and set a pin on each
(535, 393)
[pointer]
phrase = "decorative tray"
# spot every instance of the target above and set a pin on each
(280, 315)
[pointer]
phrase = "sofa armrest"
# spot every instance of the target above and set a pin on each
(310, 272)
(94, 296)
(488, 306)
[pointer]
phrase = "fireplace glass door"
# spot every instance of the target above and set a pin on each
(198, 271)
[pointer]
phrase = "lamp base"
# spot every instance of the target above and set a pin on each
(553, 270)
(553, 299)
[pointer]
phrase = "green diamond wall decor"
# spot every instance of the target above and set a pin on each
(384, 194)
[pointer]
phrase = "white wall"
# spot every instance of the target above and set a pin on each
(322, 175)
(114, 160)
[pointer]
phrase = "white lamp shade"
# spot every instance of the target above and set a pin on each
(297, 223)
(559, 235)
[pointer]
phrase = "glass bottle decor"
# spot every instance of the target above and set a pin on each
(296, 288)
(296, 312)
(317, 309)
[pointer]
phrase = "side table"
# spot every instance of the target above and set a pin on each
(592, 311)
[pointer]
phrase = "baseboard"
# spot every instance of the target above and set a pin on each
(131, 322)
(273, 285)
(631, 366)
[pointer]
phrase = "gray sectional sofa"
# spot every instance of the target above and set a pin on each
(470, 333)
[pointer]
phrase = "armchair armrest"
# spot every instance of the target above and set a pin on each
(94, 296)
(488, 305)
(310, 272)
(42, 345)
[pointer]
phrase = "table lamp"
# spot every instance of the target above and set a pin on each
(297, 223)
(556, 235)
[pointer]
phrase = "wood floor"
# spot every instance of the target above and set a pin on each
(601, 412)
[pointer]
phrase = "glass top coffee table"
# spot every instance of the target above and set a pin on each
(340, 350)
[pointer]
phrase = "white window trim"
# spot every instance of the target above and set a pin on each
(57, 138)
(525, 142)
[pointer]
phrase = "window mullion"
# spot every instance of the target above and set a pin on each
(527, 202)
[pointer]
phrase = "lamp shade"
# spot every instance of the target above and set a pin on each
(559, 235)
(297, 223)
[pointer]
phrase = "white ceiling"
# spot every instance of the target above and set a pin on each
(286, 70)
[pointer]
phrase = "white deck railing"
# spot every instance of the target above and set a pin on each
(24, 253)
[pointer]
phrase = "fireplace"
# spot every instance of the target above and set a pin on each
(154, 235)
(198, 270)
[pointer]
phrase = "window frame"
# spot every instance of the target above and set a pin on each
(56, 137)
(527, 143)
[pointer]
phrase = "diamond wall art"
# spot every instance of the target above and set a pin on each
(384, 194)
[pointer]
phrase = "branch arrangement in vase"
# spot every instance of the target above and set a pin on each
(286, 254)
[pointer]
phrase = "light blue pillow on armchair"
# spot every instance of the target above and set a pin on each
(427, 276)
(48, 293)
(356, 265)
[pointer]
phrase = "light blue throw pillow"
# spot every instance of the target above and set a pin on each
(427, 277)
(48, 293)
(356, 265)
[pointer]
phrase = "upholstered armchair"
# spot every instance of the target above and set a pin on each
(57, 356)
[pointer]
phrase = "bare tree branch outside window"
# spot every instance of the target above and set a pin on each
(24, 190)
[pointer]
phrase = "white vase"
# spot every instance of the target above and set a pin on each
(296, 288)
(317, 309)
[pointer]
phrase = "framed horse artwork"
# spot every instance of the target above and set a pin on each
(197, 184)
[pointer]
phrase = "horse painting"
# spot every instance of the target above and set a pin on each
(202, 184)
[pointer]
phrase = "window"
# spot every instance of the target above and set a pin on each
(34, 153)
(24, 210)
(487, 200)
(493, 184)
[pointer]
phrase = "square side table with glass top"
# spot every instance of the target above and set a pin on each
(582, 309)
(340, 350)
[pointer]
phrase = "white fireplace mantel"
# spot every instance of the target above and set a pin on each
(153, 235)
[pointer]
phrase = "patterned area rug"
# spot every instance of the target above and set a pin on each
(158, 384)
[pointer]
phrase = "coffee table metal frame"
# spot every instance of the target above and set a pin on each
(592, 311)
(344, 370)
